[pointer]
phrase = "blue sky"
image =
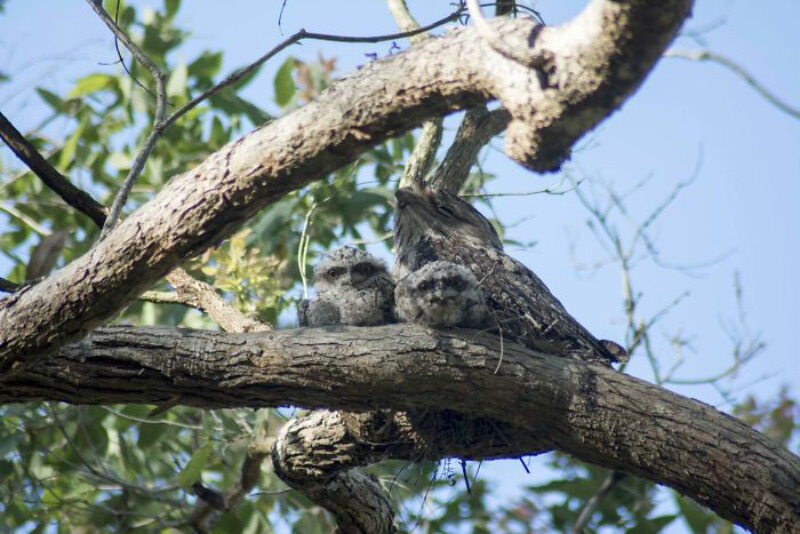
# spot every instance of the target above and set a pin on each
(688, 119)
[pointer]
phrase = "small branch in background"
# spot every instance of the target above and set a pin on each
(302, 248)
(477, 129)
(158, 120)
(491, 38)
(295, 38)
(588, 509)
(8, 286)
(204, 297)
(210, 500)
(45, 255)
(31, 157)
(24, 219)
(505, 7)
(706, 55)
(421, 159)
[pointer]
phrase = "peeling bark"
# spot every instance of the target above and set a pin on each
(573, 77)
(592, 412)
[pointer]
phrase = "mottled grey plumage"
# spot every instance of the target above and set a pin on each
(431, 226)
(353, 287)
(441, 294)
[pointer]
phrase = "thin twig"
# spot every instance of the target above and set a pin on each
(302, 248)
(296, 37)
(8, 286)
(158, 119)
(30, 223)
(31, 157)
(421, 159)
(150, 421)
(257, 451)
(588, 509)
(706, 55)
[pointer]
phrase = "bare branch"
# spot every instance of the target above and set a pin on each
(155, 132)
(421, 159)
(204, 297)
(707, 55)
(8, 286)
(590, 506)
(31, 157)
(477, 129)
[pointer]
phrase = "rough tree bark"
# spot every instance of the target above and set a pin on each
(592, 412)
(562, 82)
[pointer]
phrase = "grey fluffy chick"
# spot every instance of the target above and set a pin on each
(353, 287)
(441, 295)
(433, 226)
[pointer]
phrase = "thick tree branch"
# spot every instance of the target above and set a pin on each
(591, 412)
(189, 291)
(477, 129)
(594, 63)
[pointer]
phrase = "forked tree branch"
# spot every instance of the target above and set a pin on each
(591, 412)
(189, 291)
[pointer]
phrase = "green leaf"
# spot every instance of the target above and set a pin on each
(51, 99)
(284, 83)
(149, 434)
(171, 7)
(92, 83)
(652, 526)
(191, 473)
(233, 104)
(206, 66)
(698, 519)
(68, 152)
(176, 85)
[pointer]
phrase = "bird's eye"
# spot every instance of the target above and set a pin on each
(425, 285)
(334, 272)
(456, 282)
(364, 269)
